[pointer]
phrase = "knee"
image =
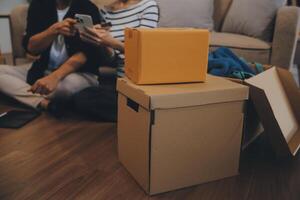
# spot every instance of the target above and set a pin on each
(68, 87)
(62, 91)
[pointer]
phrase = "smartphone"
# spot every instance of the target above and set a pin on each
(83, 21)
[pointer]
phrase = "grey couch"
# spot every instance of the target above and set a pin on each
(279, 52)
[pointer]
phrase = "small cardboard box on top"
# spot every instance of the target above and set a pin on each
(158, 56)
(178, 135)
(276, 98)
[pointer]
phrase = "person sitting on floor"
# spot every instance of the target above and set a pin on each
(100, 103)
(65, 65)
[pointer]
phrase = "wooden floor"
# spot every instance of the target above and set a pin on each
(76, 159)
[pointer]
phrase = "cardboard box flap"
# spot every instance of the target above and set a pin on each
(215, 90)
(276, 98)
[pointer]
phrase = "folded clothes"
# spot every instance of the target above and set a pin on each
(223, 62)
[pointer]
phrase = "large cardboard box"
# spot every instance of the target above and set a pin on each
(276, 97)
(175, 136)
(155, 56)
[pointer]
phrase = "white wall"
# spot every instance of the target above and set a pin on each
(5, 8)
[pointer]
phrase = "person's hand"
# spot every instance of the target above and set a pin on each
(65, 27)
(98, 36)
(45, 86)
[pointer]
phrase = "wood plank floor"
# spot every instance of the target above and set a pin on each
(76, 159)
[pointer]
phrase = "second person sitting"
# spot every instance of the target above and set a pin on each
(121, 14)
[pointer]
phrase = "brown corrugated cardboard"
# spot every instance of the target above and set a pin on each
(277, 100)
(175, 136)
(163, 55)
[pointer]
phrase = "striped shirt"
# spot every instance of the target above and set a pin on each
(144, 14)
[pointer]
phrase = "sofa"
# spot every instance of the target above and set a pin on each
(280, 51)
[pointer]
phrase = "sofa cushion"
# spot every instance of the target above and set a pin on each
(237, 41)
(252, 17)
(187, 13)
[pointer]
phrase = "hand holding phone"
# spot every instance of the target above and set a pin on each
(65, 27)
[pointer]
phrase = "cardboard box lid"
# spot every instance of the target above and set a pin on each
(215, 90)
(277, 100)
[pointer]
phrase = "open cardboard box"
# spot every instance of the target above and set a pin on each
(276, 97)
(253, 127)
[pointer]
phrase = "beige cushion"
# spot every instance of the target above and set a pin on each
(18, 21)
(237, 41)
(252, 17)
(187, 13)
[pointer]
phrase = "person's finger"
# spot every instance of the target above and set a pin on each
(66, 32)
(107, 28)
(97, 26)
(91, 31)
(87, 39)
(65, 29)
(34, 87)
(102, 35)
(85, 34)
(71, 21)
(66, 25)
(91, 37)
